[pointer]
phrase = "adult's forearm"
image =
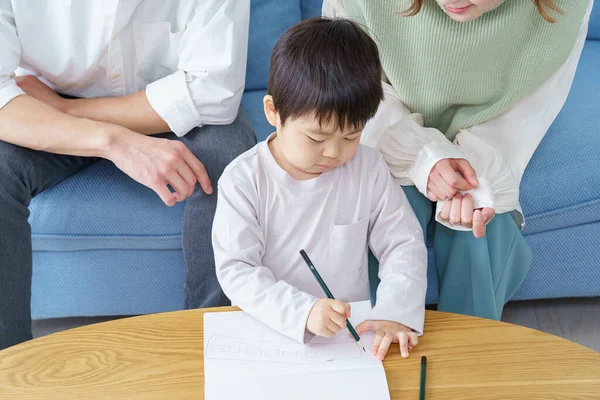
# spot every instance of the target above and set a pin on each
(133, 112)
(30, 123)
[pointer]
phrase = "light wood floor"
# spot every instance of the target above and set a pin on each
(575, 319)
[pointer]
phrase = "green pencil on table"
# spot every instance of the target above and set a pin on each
(423, 372)
(329, 295)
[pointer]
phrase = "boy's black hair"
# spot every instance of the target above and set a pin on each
(326, 68)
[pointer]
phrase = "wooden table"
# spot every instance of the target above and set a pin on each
(160, 356)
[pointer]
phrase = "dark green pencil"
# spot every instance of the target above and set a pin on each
(329, 295)
(423, 370)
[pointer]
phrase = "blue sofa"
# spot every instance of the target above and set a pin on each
(104, 245)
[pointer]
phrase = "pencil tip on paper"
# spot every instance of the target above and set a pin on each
(361, 346)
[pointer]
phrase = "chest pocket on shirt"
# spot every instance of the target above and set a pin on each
(156, 49)
(347, 246)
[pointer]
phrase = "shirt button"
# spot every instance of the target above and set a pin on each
(114, 37)
(116, 75)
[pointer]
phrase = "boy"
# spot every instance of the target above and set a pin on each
(312, 186)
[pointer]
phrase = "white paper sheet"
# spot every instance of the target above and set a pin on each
(245, 359)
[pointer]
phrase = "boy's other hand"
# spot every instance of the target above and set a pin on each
(386, 333)
(328, 317)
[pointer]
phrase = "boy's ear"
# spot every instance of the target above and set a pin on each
(270, 111)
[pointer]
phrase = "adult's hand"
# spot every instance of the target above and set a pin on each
(153, 162)
(459, 211)
(157, 162)
(449, 176)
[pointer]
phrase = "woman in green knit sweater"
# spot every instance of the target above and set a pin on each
(471, 87)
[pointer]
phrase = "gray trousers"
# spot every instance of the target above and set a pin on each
(25, 173)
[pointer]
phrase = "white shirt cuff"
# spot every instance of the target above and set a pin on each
(498, 187)
(426, 159)
(302, 334)
(171, 99)
(8, 91)
(308, 336)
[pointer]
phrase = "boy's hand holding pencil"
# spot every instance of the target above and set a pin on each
(332, 304)
(328, 317)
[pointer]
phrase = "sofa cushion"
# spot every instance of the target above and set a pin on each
(561, 185)
(261, 45)
(311, 8)
(268, 20)
(252, 102)
(102, 208)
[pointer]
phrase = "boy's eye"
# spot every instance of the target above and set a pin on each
(314, 140)
(351, 138)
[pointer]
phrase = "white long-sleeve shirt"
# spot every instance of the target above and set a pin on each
(265, 217)
(189, 55)
(499, 149)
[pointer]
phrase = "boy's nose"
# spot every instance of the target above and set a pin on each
(332, 152)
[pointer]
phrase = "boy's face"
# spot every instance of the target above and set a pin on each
(310, 149)
(315, 149)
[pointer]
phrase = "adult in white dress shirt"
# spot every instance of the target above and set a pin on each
(125, 71)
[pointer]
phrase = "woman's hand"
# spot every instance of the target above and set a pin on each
(459, 211)
(449, 176)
